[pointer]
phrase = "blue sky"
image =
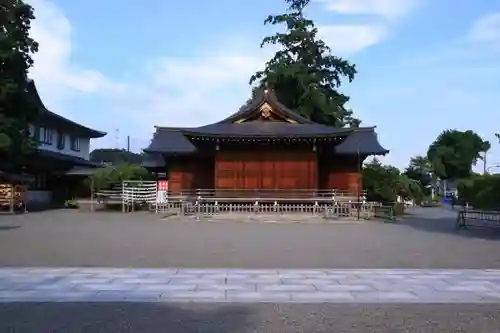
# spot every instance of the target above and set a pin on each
(123, 67)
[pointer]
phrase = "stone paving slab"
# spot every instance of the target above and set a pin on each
(249, 285)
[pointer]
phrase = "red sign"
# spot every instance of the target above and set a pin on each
(163, 185)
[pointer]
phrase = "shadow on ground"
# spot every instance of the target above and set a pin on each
(9, 227)
(121, 317)
(254, 318)
(443, 220)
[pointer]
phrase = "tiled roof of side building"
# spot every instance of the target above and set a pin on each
(153, 160)
(362, 141)
(67, 158)
(170, 140)
(92, 133)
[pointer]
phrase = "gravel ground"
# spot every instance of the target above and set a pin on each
(426, 239)
(207, 318)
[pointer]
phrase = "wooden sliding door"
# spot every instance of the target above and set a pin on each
(266, 170)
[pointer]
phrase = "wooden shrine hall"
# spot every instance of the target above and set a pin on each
(264, 147)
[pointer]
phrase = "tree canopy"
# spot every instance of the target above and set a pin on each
(106, 178)
(384, 183)
(454, 152)
(115, 156)
(17, 108)
(303, 73)
(420, 170)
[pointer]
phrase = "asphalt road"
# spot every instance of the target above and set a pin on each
(426, 239)
(265, 318)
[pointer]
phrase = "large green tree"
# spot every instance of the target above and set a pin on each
(454, 152)
(115, 156)
(303, 72)
(420, 170)
(384, 183)
(17, 108)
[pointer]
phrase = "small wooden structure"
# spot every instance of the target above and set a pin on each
(265, 150)
(12, 197)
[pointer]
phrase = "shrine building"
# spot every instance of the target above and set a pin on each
(264, 147)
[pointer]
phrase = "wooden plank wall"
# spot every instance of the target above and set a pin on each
(340, 173)
(266, 170)
(180, 176)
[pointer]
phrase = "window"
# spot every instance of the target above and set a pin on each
(75, 143)
(46, 135)
(39, 182)
(61, 140)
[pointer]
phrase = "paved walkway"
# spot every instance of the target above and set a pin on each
(249, 285)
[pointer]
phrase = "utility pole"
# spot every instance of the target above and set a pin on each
(485, 170)
(117, 138)
(359, 180)
(128, 143)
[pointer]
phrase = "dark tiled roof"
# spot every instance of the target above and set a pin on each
(152, 161)
(363, 141)
(47, 114)
(266, 95)
(167, 140)
(265, 129)
(67, 158)
(81, 171)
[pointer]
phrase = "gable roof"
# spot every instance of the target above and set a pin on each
(170, 140)
(58, 119)
(265, 95)
(352, 140)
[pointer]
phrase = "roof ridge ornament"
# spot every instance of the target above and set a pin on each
(266, 110)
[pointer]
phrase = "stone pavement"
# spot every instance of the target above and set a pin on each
(249, 285)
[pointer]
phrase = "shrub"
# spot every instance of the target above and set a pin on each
(482, 191)
(106, 178)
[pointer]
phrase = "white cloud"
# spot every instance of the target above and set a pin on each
(176, 91)
(388, 9)
(348, 39)
(371, 30)
(195, 91)
(486, 30)
(55, 74)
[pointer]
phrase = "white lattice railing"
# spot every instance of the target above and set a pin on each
(329, 211)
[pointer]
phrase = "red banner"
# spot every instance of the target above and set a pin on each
(163, 185)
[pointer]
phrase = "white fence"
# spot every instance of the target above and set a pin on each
(138, 192)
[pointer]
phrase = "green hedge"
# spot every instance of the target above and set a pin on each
(481, 191)
(106, 178)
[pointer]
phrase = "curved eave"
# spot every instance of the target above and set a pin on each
(169, 152)
(170, 141)
(263, 136)
(269, 130)
(90, 132)
(362, 142)
(153, 161)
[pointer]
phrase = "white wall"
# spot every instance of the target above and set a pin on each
(84, 145)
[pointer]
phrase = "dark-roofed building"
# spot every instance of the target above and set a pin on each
(62, 145)
(264, 146)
